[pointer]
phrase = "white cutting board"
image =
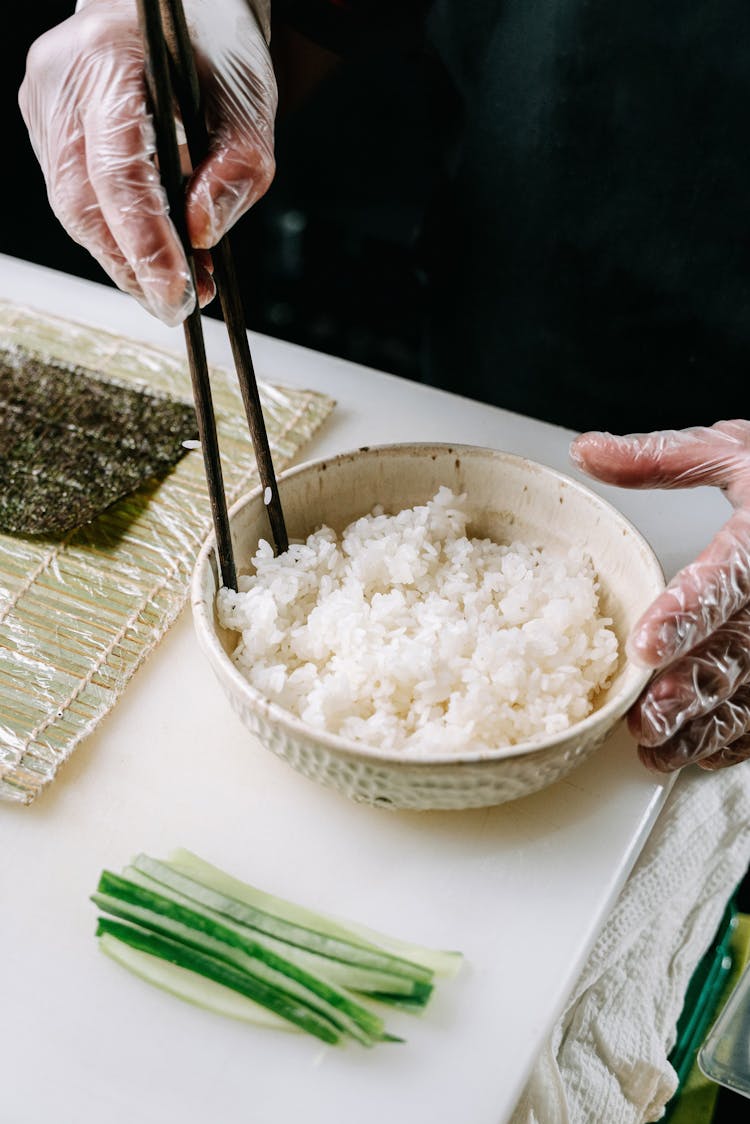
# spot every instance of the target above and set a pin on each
(521, 889)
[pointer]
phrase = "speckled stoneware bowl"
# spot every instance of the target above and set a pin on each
(513, 498)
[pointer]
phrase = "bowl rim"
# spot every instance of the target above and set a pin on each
(343, 747)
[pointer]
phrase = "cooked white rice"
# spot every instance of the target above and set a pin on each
(404, 634)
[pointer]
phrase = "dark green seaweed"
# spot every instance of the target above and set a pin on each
(72, 442)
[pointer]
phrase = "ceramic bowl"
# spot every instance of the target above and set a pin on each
(513, 498)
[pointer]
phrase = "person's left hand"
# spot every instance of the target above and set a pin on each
(696, 634)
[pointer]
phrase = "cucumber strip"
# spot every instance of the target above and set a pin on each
(192, 988)
(159, 913)
(349, 976)
(255, 969)
(440, 962)
(221, 973)
(335, 948)
(398, 1002)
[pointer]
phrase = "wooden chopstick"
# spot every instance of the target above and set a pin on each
(157, 22)
(188, 93)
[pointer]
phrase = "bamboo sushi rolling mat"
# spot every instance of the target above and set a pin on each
(79, 614)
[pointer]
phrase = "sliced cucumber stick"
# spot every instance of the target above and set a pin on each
(158, 915)
(349, 976)
(442, 963)
(192, 988)
(221, 973)
(190, 929)
(334, 948)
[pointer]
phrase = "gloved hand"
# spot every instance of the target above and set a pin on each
(697, 633)
(84, 103)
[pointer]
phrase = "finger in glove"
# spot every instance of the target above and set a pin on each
(83, 101)
(713, 588)
(699, 599)
(695, 684)
(120, 145)
(669, 458)
(703, 737)
(733, 754)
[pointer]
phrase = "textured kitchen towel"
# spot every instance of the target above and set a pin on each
(606, 1060)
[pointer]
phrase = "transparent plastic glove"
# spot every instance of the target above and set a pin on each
(84, 103)
(697, 633)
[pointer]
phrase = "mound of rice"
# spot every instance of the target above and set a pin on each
(405, 634)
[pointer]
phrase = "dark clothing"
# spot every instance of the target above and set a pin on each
(349, 25)
(588, 245)
(579, 173)
(591, 254)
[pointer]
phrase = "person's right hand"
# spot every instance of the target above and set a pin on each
(696, 634)
(84, 103)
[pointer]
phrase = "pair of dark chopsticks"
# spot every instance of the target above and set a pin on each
(171, 78)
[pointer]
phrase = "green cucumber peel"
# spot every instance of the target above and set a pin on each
(190, 987)
(437, 961)
(349, 976)
(201, 934)
(414, 1006)
(221, 973)
(366, 1030)
(333, 947)
(159, 913)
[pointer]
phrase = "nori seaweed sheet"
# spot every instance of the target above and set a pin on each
(72, 442)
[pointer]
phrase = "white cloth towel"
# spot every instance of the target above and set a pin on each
(606, 1061)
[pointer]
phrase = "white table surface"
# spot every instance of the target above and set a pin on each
(522, 889)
